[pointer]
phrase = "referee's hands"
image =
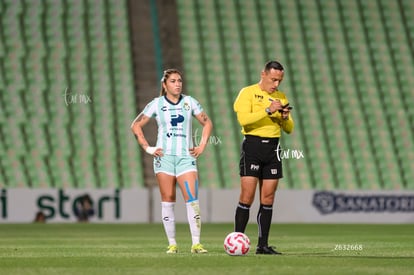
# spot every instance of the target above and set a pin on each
(275, 105)
(285, 111)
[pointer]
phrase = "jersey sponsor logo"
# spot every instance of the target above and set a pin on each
(165, 108)
(254, 167)
(176, 135)
(260, 97)
(175, 119)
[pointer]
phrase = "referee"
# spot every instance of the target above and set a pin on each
(263, 112)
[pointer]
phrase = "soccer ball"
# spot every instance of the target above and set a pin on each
(236, 244)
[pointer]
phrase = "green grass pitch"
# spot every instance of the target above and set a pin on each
(140, 249)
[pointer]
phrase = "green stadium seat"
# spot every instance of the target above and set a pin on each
(333, 52)
(2, 47)
(212, 29)
(2, 77)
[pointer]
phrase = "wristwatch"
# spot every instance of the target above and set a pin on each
(268, 111)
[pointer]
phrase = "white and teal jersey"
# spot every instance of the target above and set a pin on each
(174, 123)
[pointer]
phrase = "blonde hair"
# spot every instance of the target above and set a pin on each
(165, 77)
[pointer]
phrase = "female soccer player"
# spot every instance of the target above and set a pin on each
(174, 154)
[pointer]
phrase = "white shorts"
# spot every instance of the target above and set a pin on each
(175, 165)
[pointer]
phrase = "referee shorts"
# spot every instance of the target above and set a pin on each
(259, 158)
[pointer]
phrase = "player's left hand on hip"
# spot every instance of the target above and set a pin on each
(196, 151)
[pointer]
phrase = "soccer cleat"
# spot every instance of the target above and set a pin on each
(198, 248)
(172, 249)
(267, 250)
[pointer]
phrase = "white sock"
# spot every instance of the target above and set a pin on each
(194, 220)
(168, 219)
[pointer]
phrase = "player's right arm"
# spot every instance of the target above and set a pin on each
(139, 122)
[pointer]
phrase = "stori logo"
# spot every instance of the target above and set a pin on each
(63, 205)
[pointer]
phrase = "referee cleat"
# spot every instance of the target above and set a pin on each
(172, 249)
(198, 249)
(268, 250)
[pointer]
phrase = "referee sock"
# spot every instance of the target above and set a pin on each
(264, 220)
(242, 217)
(168, 220)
